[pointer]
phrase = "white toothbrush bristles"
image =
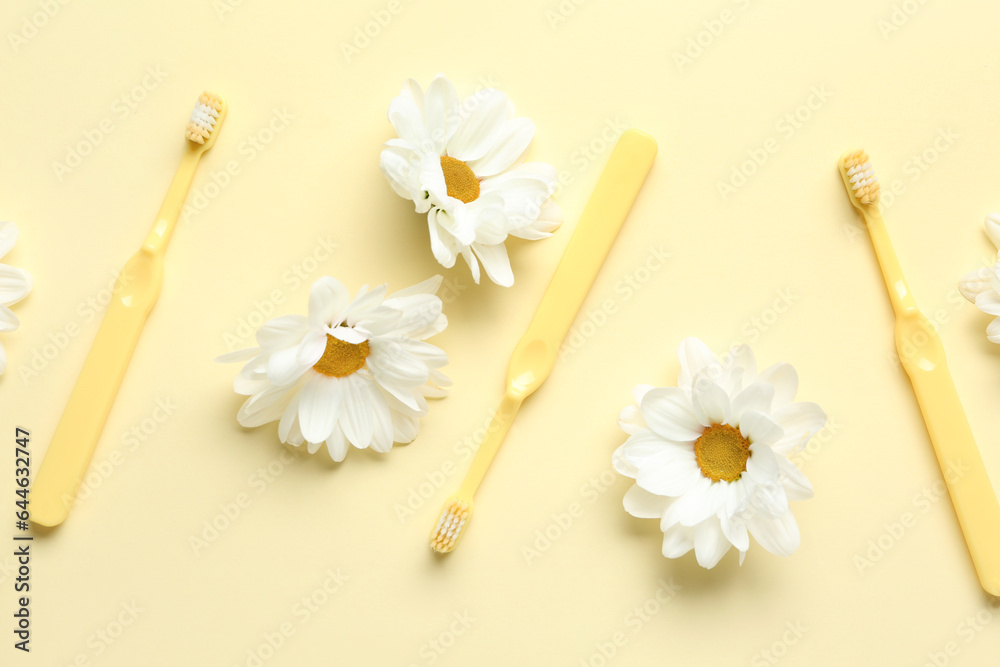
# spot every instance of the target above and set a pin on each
(864, 183)
(450, 526)
(203, 118)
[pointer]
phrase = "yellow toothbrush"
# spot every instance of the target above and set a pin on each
(535, 354)
(75, 437)
(922, 356)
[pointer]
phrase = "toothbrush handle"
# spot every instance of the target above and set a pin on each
(958, 457)
(616, 190)
(76, 435)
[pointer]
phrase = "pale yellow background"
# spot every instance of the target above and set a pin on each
(607, 65)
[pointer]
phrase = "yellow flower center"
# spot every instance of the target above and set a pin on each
(341, 359)
(722, 452)
(462, 183)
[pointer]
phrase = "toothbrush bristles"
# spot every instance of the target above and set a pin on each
(203, 118)
(450, 526)
(863, 181)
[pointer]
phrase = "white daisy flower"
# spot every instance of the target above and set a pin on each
(982, 286)
(709, 456)
(14, 286)
(461, 164)
(354, 372)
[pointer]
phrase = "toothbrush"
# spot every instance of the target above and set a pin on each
(535, 354)
(75, 437)
(971, 494)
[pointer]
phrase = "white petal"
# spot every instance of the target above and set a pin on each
(710, 402)
(800, 422)
(479, 130)
(393, 365)
(283, 367)
(742, 356)
(440, 112)
(495, 262)
(975, 283)
(549, 219)
(404, 427)
(283, 331)
(443, 244)
(779, 536)
(648, 449)
(408, 121)
(401, 168)
(356, 415)
(312, 348)
(670, 480)
(319, 407)
(703, 500)
(328, 299)
(755, 396)
(337, 444)
(762, 466)
(678, 541)
(642, 504)
(8, 320)
(668, 412)
(472, 262)
(735, 531)
(785, 381)
(797, 485)
(695, 357)
(289, 418)
(363, 304)
(509, 147)
(992, 229)
(993, 331)
(429, 286)
(14, 284)
(382, 428)
(641, 390)
(758, 427)
(989, 302)
(710, 544)
(630, 420)
(621, 465)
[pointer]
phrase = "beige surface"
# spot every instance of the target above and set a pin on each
(312, 179)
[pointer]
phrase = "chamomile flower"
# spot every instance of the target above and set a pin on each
(982, 286)
(461, 163)
(354, 372)
(709, 456)
(14, 286)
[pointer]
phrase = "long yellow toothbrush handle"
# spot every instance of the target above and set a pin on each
(76, 435)
(972, 495)
(497, 431)
(616, 190)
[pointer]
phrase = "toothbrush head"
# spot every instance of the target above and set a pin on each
(449, 527)
(861, 183)
(209, 112)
